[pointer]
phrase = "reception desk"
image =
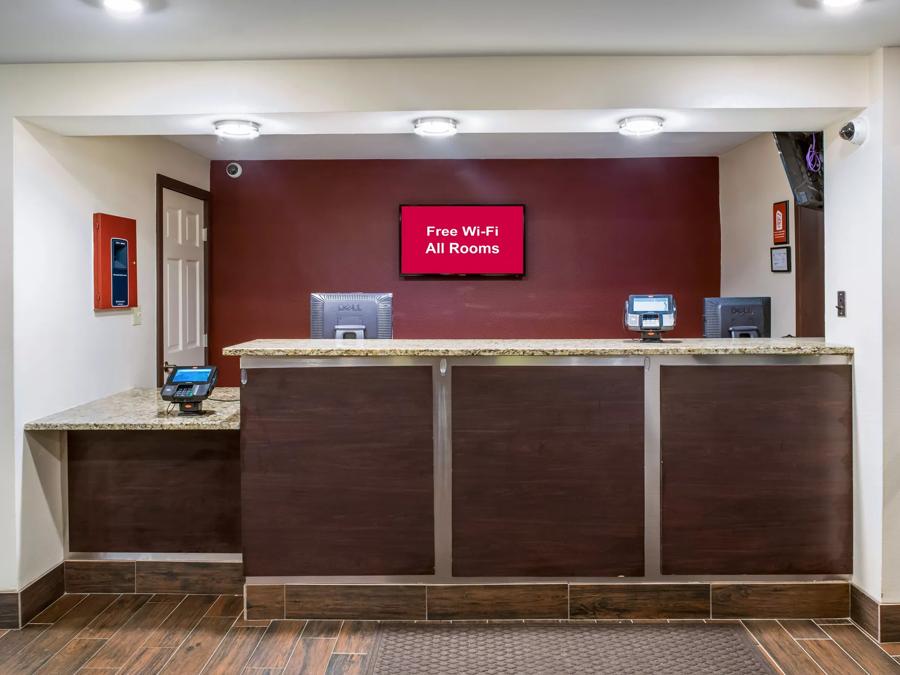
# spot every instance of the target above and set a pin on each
(482, 461)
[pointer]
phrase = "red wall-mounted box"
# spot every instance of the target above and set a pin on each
(115, 262)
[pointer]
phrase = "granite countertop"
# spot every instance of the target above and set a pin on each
(144, 410)
(436, 348)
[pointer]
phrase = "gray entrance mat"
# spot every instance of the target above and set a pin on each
(545, 649)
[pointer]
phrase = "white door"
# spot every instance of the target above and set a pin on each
(184, 280)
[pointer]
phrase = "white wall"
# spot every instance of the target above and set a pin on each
(854, 263)
(891, 307)
(59, 183)
(751, 179)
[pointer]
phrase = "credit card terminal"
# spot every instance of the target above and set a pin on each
(189, 386)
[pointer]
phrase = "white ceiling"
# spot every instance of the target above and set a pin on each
(464, 146)
(77, 30)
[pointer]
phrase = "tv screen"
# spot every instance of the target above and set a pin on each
(471, 240)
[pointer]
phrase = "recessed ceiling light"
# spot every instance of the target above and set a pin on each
(641, 125)
(241, 129)
(841, 4)
(435, 127)
(124, 7)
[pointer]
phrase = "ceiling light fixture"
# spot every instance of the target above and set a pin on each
(841, 4)
(435, 127)
(641, 125)
(124, 7)
(239, 129)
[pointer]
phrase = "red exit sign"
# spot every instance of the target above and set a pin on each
(486, 240)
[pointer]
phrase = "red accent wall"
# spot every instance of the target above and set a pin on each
(596, 230)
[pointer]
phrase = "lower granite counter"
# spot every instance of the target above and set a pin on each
(508, 460)
(142, 479)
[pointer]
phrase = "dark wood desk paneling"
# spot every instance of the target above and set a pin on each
(338, 471)
(154, 491)
(548, 471)
(757, 469)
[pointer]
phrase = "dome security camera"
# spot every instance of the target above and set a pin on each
(234, 170)
(856, 131)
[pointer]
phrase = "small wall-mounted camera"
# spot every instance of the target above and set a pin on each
(233, 170)
(856, 131)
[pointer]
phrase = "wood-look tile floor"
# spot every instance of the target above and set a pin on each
(101, 634)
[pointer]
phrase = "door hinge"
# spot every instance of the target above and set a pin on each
(204, 233)
(205, 340)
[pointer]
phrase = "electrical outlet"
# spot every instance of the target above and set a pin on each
(137, 317)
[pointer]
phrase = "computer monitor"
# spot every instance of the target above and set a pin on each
(737, 317)
(353, 316)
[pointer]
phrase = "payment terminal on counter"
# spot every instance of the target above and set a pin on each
(189, 386)
(650, 315)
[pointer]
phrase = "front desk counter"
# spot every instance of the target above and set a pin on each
(544, 460)
(143, 481)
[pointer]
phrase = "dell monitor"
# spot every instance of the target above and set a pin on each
(737, 317)
(351, 316)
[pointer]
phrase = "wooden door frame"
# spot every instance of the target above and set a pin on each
(166, 183)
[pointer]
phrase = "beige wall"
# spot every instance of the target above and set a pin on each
(751, 179)
(59, 183)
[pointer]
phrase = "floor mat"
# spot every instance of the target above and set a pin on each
(529, 649)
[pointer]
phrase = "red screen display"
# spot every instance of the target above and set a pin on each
(475, 240)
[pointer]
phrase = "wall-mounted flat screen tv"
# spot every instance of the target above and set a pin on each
(462, 240)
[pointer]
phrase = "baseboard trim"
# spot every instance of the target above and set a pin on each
(553, 601)
(880, 620)
(18, 608)
(154, 576)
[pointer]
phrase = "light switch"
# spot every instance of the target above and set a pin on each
(137, 318)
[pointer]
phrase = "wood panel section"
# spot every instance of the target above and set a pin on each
(126, 641)
(113, 617)
(782, 648)
(154, 491)
(9, 610)
(548, 471)
(145, 660)
(385, 602)
(347, 664)
(514, 601)
(803, 629)
(639, 601)
(338, 471)
(41, 593)
(99, 576)
(59, 608)
(199, 646)
(322, 629)
(179, 624)
(234, 651)
(264, 601)
(72, 657)
(310, 657)
(756, 469)
(809, 276)
(43, 647)
(14, 641)
(864, 611)
(188, 577)
(227, 605)
(865, 652)
(356, 637)
(780, 601)
(831, 658)
(890, 623)
(277, 644)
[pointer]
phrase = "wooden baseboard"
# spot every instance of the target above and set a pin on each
(153, 576)
(17, 609)
(880, 620)
(814, 600)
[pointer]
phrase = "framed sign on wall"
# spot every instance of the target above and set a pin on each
(780, 258)
(781, 223)
(462, 240)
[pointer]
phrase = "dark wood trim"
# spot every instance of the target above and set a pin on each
(166, 183)
(809, 273)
